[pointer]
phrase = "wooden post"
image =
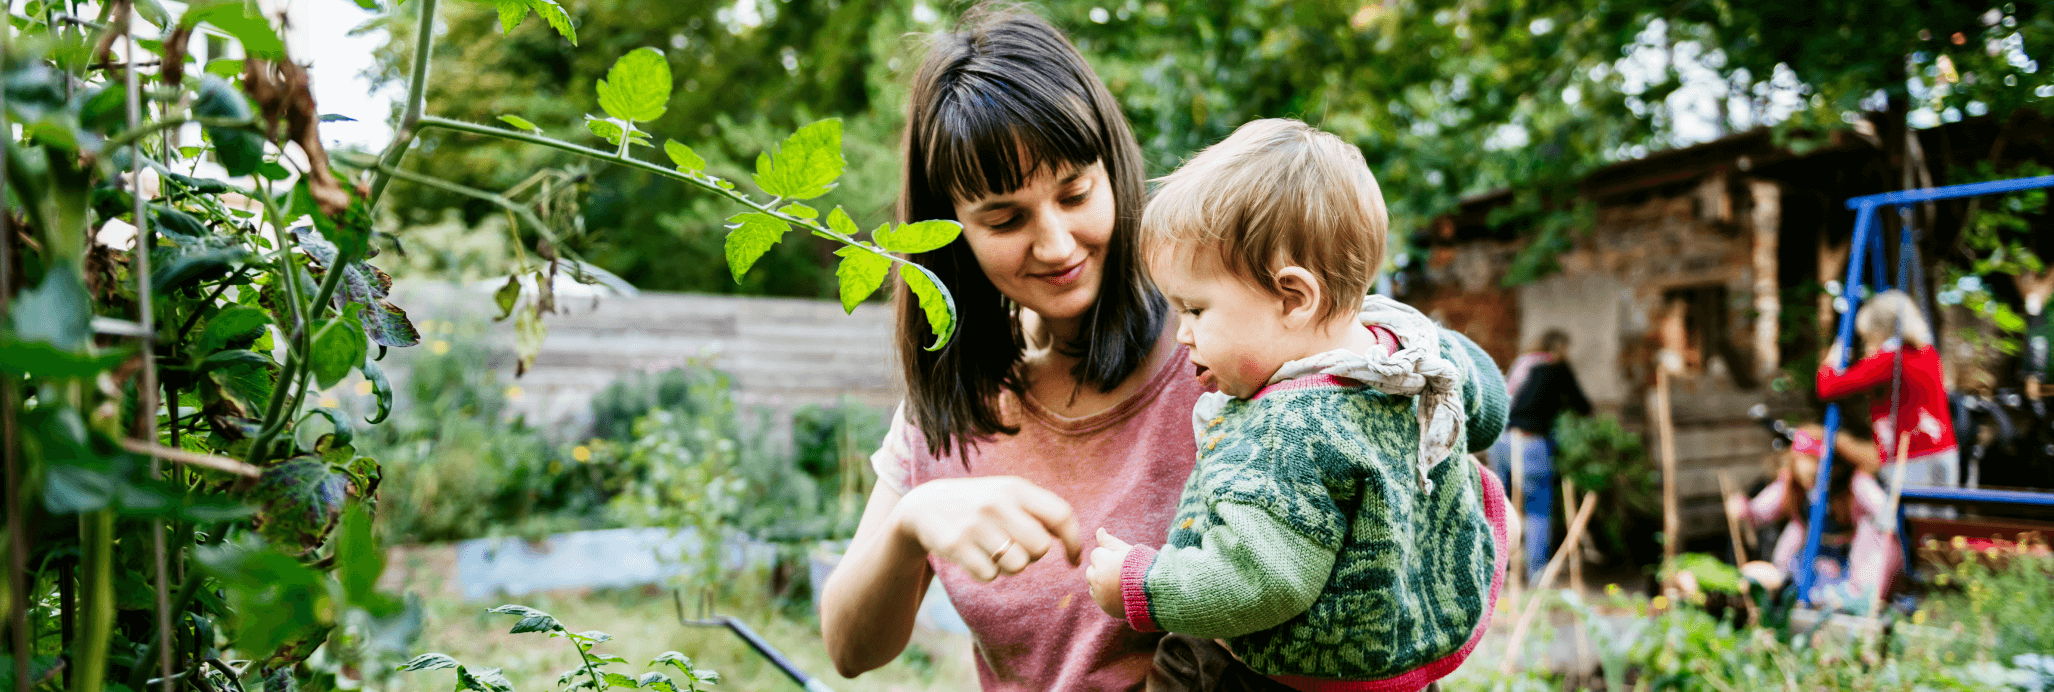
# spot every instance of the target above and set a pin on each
(1590, 502)
(1672, 539)
(1518, 490)
(1726, 490)
(1576, 559)
(1890, 510)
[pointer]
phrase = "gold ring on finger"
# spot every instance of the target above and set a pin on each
(1001, 550)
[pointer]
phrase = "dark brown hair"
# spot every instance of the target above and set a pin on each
(1003, 90)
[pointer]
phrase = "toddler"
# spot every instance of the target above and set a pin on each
(1333, 535)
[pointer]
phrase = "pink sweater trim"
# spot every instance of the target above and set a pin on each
(1306, 382)
(1133, 571)
(1494, 511)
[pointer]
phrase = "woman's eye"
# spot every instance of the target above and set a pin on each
(1010, 222)
(1076, 199)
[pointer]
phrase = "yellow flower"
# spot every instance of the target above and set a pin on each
(514, 393)
(1660, 603)
(1960, 543)
(1918, 617)
(363, 387)
(581, 453)
(440, 347)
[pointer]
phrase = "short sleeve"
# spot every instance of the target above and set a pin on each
(893, 460)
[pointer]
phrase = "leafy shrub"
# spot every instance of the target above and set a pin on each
(1597, 454)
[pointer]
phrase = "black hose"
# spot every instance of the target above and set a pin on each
(763, 648)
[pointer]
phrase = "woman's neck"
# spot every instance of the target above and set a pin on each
(1045, 334)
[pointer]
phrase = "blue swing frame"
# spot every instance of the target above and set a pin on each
(1868, 254)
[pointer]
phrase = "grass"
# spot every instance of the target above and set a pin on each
(644, 623)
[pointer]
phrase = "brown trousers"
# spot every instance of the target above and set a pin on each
(1184, 663)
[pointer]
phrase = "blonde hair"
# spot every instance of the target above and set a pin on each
(1879, 319)
(1277, 192)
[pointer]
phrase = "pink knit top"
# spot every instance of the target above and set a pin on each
(1121, 469)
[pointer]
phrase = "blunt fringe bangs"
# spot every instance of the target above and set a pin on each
(993, 104)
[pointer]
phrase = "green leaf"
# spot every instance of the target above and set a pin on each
(343, 432)
(656, 680)
(299, 501)
(801, 211)
(231, 357)
(358, 560)
(39, 359)
(176, 267)
(860, 273)
(381, 391)
(247, 385)
(225, 68)
(56, 312)
(536, 623)
(339, 345)
(273, 171)
(177, 223)
(511, 12)
(935, 303)
(687, 161)
(606, 128)
(231, 325)
(349, 230)
(428, 662)
(520, 123)
(598, 637)
(752, 235)
(252, 30)
(806, 165)
(619, 680)
(506, 296)
(923, 236)
(638, 86)
(240, 150)
(484, 680)
(839, 222)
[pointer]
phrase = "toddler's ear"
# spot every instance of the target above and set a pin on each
(1302, 295)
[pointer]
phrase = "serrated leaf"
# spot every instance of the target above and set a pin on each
(506, 296)
(637, 88)
(601, 638)
(233, 324)
(806, 164)
(687, 161)
(529, 332)
(605, 128)
(839, 222)
(619, 680)
(339, 345)
(535, 623)
(521, 610)
(681, 661)
(656, 680)
(483, 680)
(511, 12)
(752, 235)
(935, 303)
(860, 274)
(520, 123)
(553, 14)
(922, 236)
(428, 662)
(800, 211)
(299, 501)
(249, 27)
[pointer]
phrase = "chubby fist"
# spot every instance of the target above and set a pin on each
(1104, 574)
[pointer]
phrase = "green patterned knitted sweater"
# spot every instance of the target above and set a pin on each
(1304, 539)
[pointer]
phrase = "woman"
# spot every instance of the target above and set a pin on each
(1064, 402)
(1542, 386)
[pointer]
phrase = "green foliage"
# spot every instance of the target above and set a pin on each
(2005, 606)
(590, 673)
(1599, 455)
(1999, 241)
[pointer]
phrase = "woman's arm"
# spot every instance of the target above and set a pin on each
(989, 526)
(868, 603)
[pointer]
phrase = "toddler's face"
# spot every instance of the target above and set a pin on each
(1234, 328)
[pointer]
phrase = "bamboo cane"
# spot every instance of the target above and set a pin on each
(1518, 485)
(1590, 502)
(1666, 426)
(1890, 511)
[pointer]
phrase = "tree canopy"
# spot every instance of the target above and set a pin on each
(1446, 99)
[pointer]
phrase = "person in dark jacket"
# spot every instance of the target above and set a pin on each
(1542, 386)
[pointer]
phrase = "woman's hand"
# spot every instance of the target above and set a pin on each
(989, 526)
(1104, 574)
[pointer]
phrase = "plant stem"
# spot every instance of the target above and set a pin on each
(274, 423)
(585, 654)
(96, 628)
(417, 97)
(139, 675)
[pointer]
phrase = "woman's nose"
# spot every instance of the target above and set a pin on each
(1054, 244)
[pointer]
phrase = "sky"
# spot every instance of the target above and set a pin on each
(321, 29)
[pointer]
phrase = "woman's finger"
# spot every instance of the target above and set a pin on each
(1056, 517)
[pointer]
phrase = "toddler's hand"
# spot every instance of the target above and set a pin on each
(1104, 574)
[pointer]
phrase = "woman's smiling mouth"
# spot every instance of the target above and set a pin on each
(1066, 275)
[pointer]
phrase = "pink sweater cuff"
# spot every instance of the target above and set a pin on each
(1134, 571)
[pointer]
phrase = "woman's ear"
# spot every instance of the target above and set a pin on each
(1302, 296)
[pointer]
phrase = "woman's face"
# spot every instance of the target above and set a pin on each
(1043, 245)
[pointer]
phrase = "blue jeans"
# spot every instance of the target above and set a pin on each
(1538, 464)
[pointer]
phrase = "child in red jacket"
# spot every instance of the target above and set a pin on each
(1922, 411)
